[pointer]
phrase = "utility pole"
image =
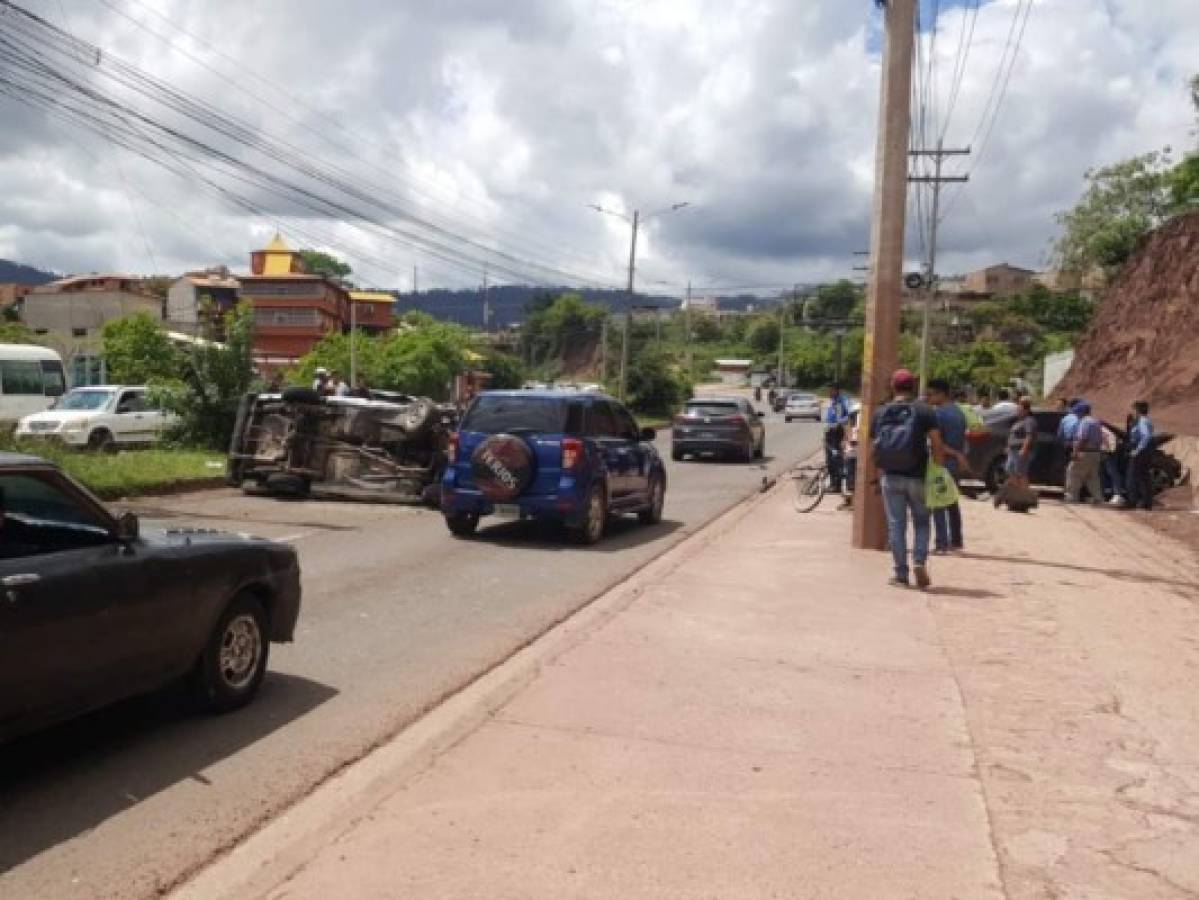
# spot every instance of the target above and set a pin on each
(930, 274)
(353, 343)
(687, 328)
(414, 287)
(624, 347)
(604, 348)
(886, 244)
(486, 308)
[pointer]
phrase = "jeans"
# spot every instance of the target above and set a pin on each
(947, 523)
(1113, 476)
(851, 474)
(834, 461)
(1140, 487)
(903, 494)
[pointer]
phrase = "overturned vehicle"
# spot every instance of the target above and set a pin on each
(385, 448)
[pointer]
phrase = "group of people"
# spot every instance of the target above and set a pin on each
(328, 383)
(908, 433)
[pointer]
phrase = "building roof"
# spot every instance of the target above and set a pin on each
(211, 281)
(372, 297)
(51, 287)
(277, 245)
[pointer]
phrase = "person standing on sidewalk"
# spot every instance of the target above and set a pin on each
(1113, 471)
(1021, 442)
(1084, 457)
(1140, 450)
(951, 422)
(835, 417)
(904, 433)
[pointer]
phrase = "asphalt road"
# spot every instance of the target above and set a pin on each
(397, 615)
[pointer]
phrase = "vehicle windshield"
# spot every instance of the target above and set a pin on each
(85, 400)
(495, 413)
(712, 408)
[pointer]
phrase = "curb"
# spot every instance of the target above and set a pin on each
(272, 855)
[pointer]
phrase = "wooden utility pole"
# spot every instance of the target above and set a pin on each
(624, 346)
(604, 347)
(687, 329)
(486, 304)
(930, 273)
(882, 306)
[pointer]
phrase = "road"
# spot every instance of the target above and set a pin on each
(397, 615)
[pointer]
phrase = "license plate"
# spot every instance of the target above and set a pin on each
(707, 434)
(507, 510)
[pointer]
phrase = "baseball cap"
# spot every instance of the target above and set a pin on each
(902, 379)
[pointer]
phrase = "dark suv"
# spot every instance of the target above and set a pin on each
(569, 457)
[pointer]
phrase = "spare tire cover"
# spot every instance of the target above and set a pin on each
(502, 467)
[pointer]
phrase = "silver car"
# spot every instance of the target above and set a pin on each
(802, 406)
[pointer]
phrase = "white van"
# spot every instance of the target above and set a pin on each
(31, 380)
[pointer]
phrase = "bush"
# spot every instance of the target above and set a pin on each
(137, 350)
(655, 387)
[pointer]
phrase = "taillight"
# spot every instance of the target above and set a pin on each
(572, 453)
(451, 449)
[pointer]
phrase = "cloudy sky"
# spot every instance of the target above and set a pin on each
(501, 122)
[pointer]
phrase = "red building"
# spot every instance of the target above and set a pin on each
(293, 309)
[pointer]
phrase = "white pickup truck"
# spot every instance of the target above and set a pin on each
(101, 418)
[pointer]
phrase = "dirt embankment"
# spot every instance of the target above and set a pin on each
(1144, 341)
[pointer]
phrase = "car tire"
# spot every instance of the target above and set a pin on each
(595, 517)
(231, 667)
(101, 441)
(1160, 479)
(462, 525)
(676, 454)
(652, 514)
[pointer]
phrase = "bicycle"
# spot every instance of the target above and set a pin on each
(810, 484)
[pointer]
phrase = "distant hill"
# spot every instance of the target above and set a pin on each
(20, 274)
(508, 303)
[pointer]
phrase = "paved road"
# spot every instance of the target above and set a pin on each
(397, 615)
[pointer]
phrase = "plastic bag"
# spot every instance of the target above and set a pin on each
(940, 490)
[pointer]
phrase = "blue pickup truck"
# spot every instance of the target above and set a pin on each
(564, 456)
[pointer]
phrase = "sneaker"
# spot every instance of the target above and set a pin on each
(922, 579)
(896, 581)
(940, 551)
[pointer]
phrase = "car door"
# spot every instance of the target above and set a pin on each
(129, 424)
(604, 429)
(73, 624)
(1048, 466)
(638, 455)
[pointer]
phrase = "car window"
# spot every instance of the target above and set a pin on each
(85, 400)
(576, 417)
(37, 516)
(23, 377)
(602, 421)
(131, 402)
(628, 426)
(53, 378)
(492, 413)
(712, 407)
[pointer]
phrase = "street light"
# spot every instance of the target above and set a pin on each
(635, 222)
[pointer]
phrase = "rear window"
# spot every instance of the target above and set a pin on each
(491, 414)
(713, 408)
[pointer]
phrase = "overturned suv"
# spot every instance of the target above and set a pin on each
(384, 448)
(566, 457)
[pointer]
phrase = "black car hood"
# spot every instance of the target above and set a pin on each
(187, 536)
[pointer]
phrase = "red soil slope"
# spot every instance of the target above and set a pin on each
(1144, 341)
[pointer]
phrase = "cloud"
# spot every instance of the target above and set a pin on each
(504, 121)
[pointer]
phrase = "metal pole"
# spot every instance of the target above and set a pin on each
(486, 309)
(604, 348)
(882, 307)
(687, 329)
(782, 328)
(624, 349)
(353, 343)
(930, 288)
(414, 287)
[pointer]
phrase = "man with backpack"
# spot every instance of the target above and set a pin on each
(904, 434)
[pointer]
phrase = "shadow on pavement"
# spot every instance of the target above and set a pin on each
(621, 534)
(62, 782)
(1118, 574)
(963, 593)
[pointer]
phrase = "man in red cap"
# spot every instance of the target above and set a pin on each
(904, 433)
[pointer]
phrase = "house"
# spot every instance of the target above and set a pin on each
(372, 311)
(71, 313)
(1063, 281)
(734, 372)
(11, 292)
(197, 302)
(293, 309)
(1003, 280)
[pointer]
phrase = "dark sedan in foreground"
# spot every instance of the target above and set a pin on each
(92, 611)
(987, 450)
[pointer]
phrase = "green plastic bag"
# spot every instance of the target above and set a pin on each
(940, 490)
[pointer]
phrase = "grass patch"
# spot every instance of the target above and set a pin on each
(129, 472)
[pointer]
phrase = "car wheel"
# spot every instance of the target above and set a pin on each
(652, 514)
(595, 516)
(101, 441)
(462, 524)
(233, 663)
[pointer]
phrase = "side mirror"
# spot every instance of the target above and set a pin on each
(128, 528)
(648, 434)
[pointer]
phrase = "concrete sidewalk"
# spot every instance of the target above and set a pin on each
(758, 715)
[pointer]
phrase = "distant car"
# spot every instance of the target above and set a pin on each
(570, 457)
(780, 398)
(986, 450)
(802, 406)
(94, 611)
(719, 426)
(101, 418)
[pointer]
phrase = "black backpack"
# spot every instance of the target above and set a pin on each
(896, 447)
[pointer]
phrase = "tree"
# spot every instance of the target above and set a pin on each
(564, 328)
(655, 387)
(1122, 203)
(320, 263)
(705, 329)
(835, 301)
(137, 350)
(1070, 312)
(506, 370)
(762, 335)
(17, 333)
(209, 382)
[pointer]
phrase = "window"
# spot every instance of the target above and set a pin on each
(131, 402)
(37, 516)
(627, 426)
(86, 370)
(86, 400)
(53, 378)
(78, 332)
(602, 421)
(21, 377)
(493, 413)
(286, 318)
